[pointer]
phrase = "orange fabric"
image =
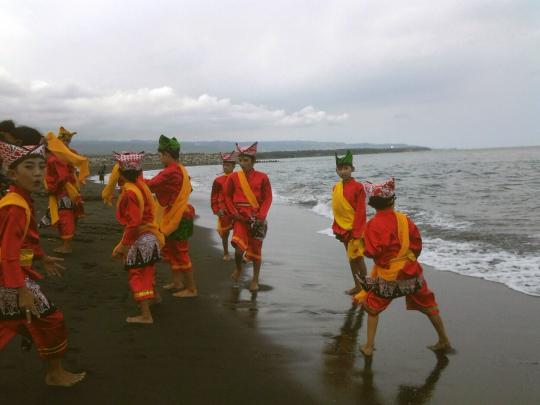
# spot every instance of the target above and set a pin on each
(176, 253)
(66, 224)
(141, 282)
(224, 225)
(242, 240)
(246, 189)
(169, 217)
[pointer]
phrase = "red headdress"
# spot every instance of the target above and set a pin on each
(247, 150)
(383, 190)
(10, 153)
(229, 157)
(129, 160)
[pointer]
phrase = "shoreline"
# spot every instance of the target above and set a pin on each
(296, 341)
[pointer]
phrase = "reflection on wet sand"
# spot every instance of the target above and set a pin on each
(246, 308)
(340, 372)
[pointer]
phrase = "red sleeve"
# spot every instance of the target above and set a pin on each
(157, 181)
(373, 242)
(58, 174)
(266, 194)
(131, 217)
(228, 193)
(415, 239)
(214, 197)
(359, 222)
(12, 225)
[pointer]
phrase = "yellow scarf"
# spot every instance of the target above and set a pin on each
(108, 192)
(343, 211)
(138, 189)
(65, 155)
(246, 189)
(11, 198)
(397, 263)
(169, 217)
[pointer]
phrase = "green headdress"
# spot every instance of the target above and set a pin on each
(344, 160)
(168, 144)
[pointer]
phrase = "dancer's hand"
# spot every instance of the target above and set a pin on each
(51, 266)
(27, 304)
(120, 251)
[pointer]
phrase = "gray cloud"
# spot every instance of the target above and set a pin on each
(461, 72)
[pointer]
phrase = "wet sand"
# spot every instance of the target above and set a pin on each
(296, 341)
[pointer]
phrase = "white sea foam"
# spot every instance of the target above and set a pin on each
(327, 232)
(323, 209)
(440, 220)
(519, 272)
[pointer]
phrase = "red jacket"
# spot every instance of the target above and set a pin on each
(260, 185)
(12, 225)
(355, 194)
(128, 214)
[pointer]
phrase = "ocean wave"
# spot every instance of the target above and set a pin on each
(476, 259)
(323, 209)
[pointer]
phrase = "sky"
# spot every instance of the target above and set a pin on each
(443, 74)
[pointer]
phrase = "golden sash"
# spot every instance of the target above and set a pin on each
(108, 192)
(11, 198)
(246, 189)
(169, 217)
(65, 155)
(343, 211)
(73, 194)
(138, 189)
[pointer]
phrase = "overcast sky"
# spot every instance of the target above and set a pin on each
(437, 73)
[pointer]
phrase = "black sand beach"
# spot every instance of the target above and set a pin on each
(296, 341)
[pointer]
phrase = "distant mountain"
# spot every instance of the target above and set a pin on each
(106, 147)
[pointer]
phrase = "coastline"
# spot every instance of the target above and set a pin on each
(295, 342)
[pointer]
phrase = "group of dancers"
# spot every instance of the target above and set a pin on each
(158, 222)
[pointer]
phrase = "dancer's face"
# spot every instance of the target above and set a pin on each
(344, 171)
(246, 163)
(228, 167)
(28, 174)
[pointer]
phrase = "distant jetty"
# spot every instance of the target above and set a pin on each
(152, 161)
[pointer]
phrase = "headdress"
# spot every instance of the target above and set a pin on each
(12, 153)
(129, 160)
(247, 150)
(64, 134)
(347, 159)
(229, 157)
(382, 190)
(168, 144)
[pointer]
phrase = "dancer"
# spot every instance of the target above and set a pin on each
(172, 187)
(63, 184)
(141, 242)
(394, 243)
(217, 202)
(248, 196)
(24, 308)
(349, 207)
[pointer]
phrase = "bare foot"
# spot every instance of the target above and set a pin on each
(235, 275)
(139, 319)
(353, 291)
(173, 286)
(63, 378)
(367, 351)
(185, 293)
(441, 347)
(62, 249)
(227, 257)
(254, 286)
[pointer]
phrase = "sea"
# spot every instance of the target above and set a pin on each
(478, 210)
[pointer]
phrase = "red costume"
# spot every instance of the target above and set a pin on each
(382, 244)
(138, 236)
(354, 193)
(217, 202)
(238, 204)
(70, 208)
(17, 252)
(167, 185)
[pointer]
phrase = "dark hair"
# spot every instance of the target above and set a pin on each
(344, 164)
(380, 203)
(253, 159)
(131, 175)
(7, 126)
(175, 154)
(27, 135)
